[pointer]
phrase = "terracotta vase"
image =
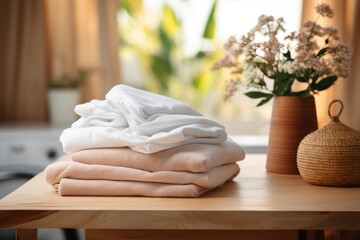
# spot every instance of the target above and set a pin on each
(291, 120)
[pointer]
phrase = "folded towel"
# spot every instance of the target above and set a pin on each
(191, 158)
(76, 187)
(140, 105)
(97, 113)
(74, 140)
(143, 121)
(74, 170)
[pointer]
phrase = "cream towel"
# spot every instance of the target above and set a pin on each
(191, 158)
(74, 170)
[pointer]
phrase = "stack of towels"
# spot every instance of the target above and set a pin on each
(137, 143)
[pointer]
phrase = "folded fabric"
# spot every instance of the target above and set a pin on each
(96, 113)
(143, 104)
(74, 140)
(74, 170)
(143, 121)
(191, 158)
(76, 187)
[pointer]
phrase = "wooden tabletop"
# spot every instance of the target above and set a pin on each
(255, 200)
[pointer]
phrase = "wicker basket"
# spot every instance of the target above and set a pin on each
(330, 156)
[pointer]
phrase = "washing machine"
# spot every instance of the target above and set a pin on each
(25, 150)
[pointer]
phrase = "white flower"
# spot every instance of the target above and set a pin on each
(288, 67)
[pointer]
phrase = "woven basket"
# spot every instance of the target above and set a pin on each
(330, 156)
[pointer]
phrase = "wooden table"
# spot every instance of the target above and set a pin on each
(256, 200)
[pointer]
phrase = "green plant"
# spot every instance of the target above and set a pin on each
(261, 62)
(71, 81)
(159, 47)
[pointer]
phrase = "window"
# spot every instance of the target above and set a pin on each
(168, 47)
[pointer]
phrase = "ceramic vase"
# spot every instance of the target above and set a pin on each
(291, 120)
(61, 104)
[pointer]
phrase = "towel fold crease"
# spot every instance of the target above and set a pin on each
(191, 157)
(74, 170)
(77, 187)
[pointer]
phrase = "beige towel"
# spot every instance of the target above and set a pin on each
(192, 157)
(74, 170)
(76, 187)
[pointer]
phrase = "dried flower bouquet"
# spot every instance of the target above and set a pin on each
(313, 56)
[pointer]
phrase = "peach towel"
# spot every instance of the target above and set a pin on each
(74, 170)
(191, 157)
(76, 187)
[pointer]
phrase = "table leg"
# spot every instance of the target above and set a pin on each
(311, 235)
(26, 234)
(342, 235)
(117, 234)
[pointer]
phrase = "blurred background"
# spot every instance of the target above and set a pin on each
(162, 46)
(55, 54)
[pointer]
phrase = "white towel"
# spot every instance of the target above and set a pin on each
(140, 105)
(144, 121)
(99, 113)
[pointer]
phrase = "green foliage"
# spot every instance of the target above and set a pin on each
(71, 81)
(265, 97)
(210, 27)
(287, 55)
(283, 83)
(169, 21)
(161, 53)
(325, 83)
(161, 61)
(132, 6)
(162, 69)
(321, 52)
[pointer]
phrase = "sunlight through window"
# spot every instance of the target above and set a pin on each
(168, 47)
